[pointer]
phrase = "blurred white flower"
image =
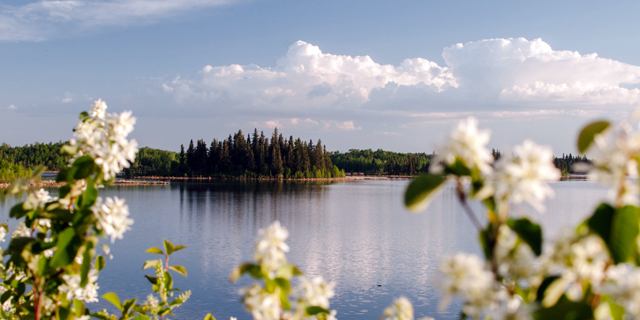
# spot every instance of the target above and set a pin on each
(316, 292)
(523, 177)
(113, 217)
(3, 234)
(270, 247)
(465, 276)
(401, 309)
(152, 304)
(623, 284)
(261, 304)
(614, 159)
(468, 144)
(98, 109)
(516, 261)
(88, 293)
(21, 231)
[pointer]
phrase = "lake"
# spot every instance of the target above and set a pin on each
(356, 233)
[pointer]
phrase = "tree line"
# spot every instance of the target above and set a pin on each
(381, 162)
(17, 162)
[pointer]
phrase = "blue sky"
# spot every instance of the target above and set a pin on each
(358, 74)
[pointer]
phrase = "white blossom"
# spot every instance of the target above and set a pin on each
(152, 304)
(113, 217)
(270, 247)
(88, 293)
(3, 234)
(21, 231)
(523, 177)
(261, 304)
(465, 275)
(613, 160)
(401, 309)
(104, 137)
(516, 261)
(623, 284)
(468, 144)
(316, 292)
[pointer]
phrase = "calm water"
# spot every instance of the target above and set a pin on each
(357, 234)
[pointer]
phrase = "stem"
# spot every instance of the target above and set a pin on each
(465, 205)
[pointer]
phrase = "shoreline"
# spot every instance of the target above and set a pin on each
(348, 178)
(53, 184)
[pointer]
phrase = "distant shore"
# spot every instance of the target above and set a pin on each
(347, 178)
(53, 184)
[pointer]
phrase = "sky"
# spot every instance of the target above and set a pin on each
(395, 75)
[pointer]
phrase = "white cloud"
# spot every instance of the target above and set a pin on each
(339, 126)
(12, 107)
(286, 123)
(46, 18)
(67, 100)
(496, 80)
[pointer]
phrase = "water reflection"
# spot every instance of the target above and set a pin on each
(355, 233)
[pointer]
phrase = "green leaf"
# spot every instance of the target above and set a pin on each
(565, 309)
(529, 232)
(153, 280)
(65, 250)
(16, 186)
(421, 190)
(178, 247)
(18, 211)
(312, 311)
(284, 302)
(270, 285)
(37, 171)
(485, 241)
(618, 228)
(100, 262)
(113, 298)
(82, 167)
(284, 284)
(543, 287)
(126, 306)
(90, 195)
(179, 269)
(588, 133)
(150, 264)
(624, 233)
(155, 250)
(600, 221)
(457, 168)
(86, 264)
(209, 317)
(83, 115)
(168, 247)
(252, 269)
(141, 317)
(79, 306)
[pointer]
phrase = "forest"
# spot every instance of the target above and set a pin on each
(251, 156)
(17, 162)
(381, 162)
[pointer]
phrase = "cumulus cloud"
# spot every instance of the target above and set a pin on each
(306, 78)
(339, 126)
(46, 18)
(285, 123)
(504, 78)
(12, 107)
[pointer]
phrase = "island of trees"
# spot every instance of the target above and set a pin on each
(253, 156)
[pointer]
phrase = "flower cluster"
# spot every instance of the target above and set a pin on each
(270, 250)
(614, 158)
(523, 177)
(88, 293)
(103, 136)
(113, 217)
(467, 144)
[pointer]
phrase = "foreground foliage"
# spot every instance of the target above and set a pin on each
(589, 272)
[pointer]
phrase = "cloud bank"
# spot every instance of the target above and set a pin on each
(47, 18)
(494, 78)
